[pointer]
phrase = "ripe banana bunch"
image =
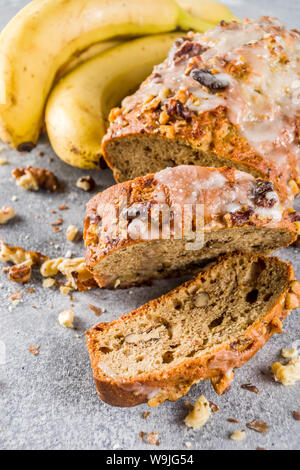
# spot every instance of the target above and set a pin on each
(77, 110)
(42, 38)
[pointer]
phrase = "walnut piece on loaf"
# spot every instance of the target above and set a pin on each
(33, 179)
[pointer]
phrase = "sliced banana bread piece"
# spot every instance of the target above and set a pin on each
(229, 97)
(175, 221)
(203, 329)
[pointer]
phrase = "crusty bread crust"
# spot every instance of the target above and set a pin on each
(175, 382)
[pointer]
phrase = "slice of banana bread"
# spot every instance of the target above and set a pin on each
(201, 330)
(228, 97)
(177, 220)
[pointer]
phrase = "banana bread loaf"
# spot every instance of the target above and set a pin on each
(201, 330)
(178, 219)
(230, 96)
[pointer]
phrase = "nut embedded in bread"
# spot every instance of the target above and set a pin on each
(229, 97)
(160, 350)
(174, 221)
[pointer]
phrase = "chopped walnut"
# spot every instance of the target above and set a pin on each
(287, 374)
(199, 415)
(250, 388)
(33, 179)
(20, 272)
(48, 282)
(292, 301)
(57, 222)
(258, 426)
(214, 408)
(151, 438)
(97, 310)
(289, 353)
(75, 271)
(66, 318)
(86, 183)
(71, 233)
(18, 255)
(17, 295)
(238, 436)
(296, 415)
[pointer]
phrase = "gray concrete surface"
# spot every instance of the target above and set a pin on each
(49, 401)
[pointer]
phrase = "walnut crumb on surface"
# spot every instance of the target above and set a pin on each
(296, 415)
(66, 318)
(146, 414)
(17, 295)
(238, 436)
(86, 183)
(287, 374)
(33, 179)
(258, 426)
(6, 213)
(34, 350)
(71, 233)
(199, 415)
(214, 408)
(250, 388)
(48, 282)
(97, 310)
(57, 222)
(151, 438)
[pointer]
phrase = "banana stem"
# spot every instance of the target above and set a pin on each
(187, 21)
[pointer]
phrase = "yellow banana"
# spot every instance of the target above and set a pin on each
(208, 10)
(43, 37)
(77, 110)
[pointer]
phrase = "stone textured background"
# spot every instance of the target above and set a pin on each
(49, 401)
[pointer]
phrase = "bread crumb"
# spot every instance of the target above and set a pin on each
(71, 233)
(66, 318)
(49, 282)
(287, 374)
(3, 161)
(238, 436)
(199, 415)
(146, 414)
(6, 213)
(34, 349)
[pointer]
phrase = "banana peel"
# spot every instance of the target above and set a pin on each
(78, 107)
